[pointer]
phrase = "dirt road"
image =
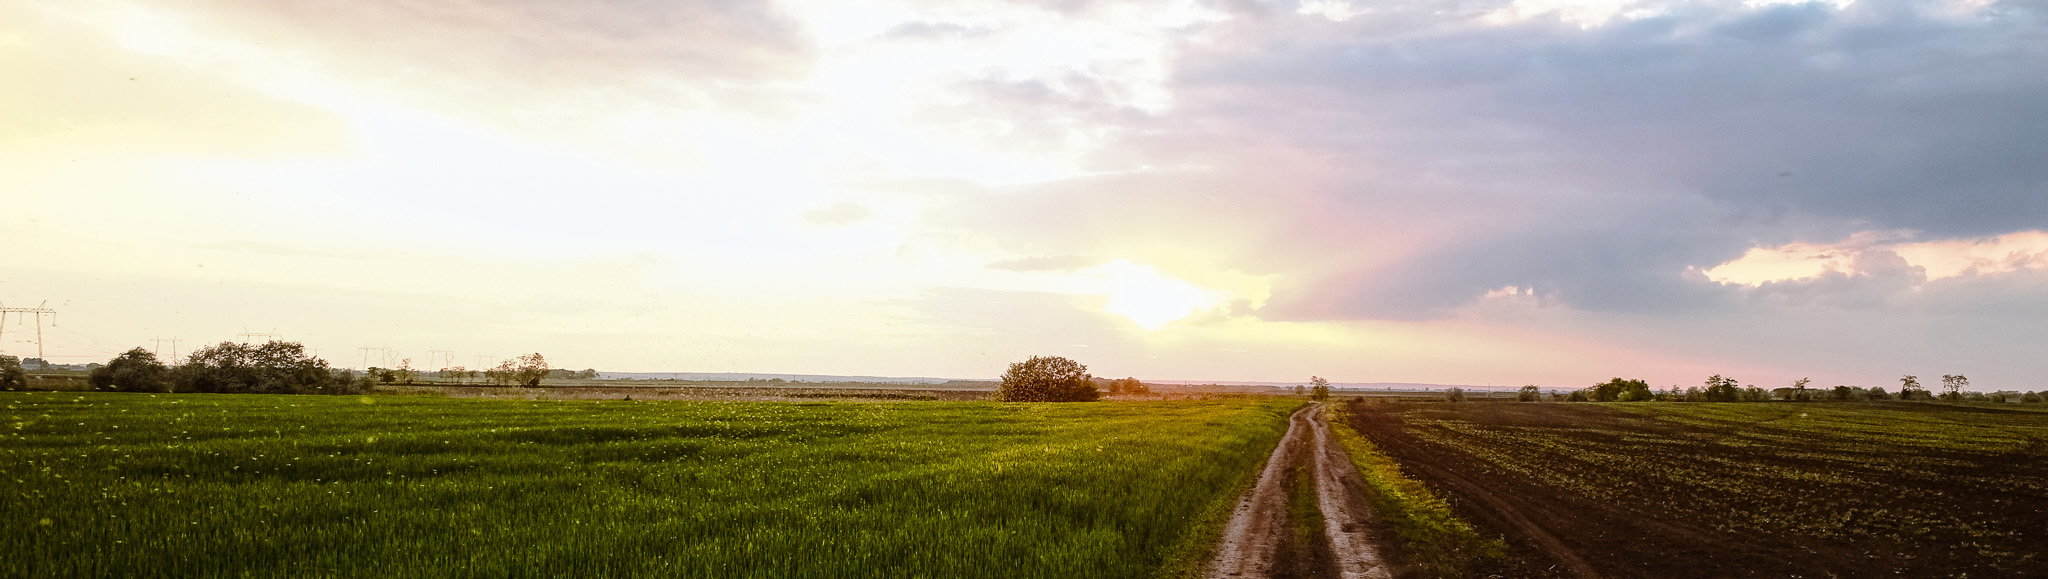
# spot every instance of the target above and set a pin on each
(1327, 532)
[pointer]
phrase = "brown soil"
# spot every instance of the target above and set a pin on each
(1556, 533)
(1263, 540)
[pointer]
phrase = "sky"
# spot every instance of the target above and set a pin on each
(1548, 192)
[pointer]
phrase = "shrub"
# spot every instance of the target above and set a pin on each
(1529, 393)
(12, 375)
(1454, 394)
(1047, 379)
(136, 370)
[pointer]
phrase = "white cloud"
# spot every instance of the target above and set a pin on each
(1937, 259)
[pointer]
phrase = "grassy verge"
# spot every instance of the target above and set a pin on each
(137, 485)
(1436, 543)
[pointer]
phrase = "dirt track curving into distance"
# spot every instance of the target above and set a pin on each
(1262, 539)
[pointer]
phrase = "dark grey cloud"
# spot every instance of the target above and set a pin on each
(1593, 164)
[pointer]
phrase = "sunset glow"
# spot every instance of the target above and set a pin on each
(1531, 192)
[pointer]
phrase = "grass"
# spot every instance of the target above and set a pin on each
(137, 485)
(1435, 541)
(1304, 512)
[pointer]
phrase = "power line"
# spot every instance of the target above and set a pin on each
(39, 310)
(271, 335)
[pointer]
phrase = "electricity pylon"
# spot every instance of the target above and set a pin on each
(174, 346)
(39, 310)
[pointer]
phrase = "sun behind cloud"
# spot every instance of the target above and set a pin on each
(1152, 299)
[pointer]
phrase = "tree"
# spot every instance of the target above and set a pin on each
(12, 375)
(1844, 392)
(502, 374)
(404, 372)
(1300, 390)
(1454, 394)
(1127, 386)
(1722, 389)
(531, 368)
(1909, 388)
(1529, 393)
(1614, 388)
(1319, 388)
(136, 370)
(1953, 385)
(276, 367)
(1047, 379)
(1878, 393)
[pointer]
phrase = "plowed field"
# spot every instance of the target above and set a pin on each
(1737, 489)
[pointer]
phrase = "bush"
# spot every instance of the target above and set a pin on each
(1529, 393)
(136, 370)
(1454, 394)
(12, 375)
(1047, 379)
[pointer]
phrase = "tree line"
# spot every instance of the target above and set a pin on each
(1718, 388)
(275, 367)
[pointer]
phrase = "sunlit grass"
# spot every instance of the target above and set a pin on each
(137, 485)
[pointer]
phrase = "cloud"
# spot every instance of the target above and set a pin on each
(67, 87)
(841, 213)
(1048, 263)
(1404, 161)
(520, 63)
(1872, 269)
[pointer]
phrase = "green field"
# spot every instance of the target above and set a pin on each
(193, 485)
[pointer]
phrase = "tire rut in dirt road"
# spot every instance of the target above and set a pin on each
(1252, 540)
